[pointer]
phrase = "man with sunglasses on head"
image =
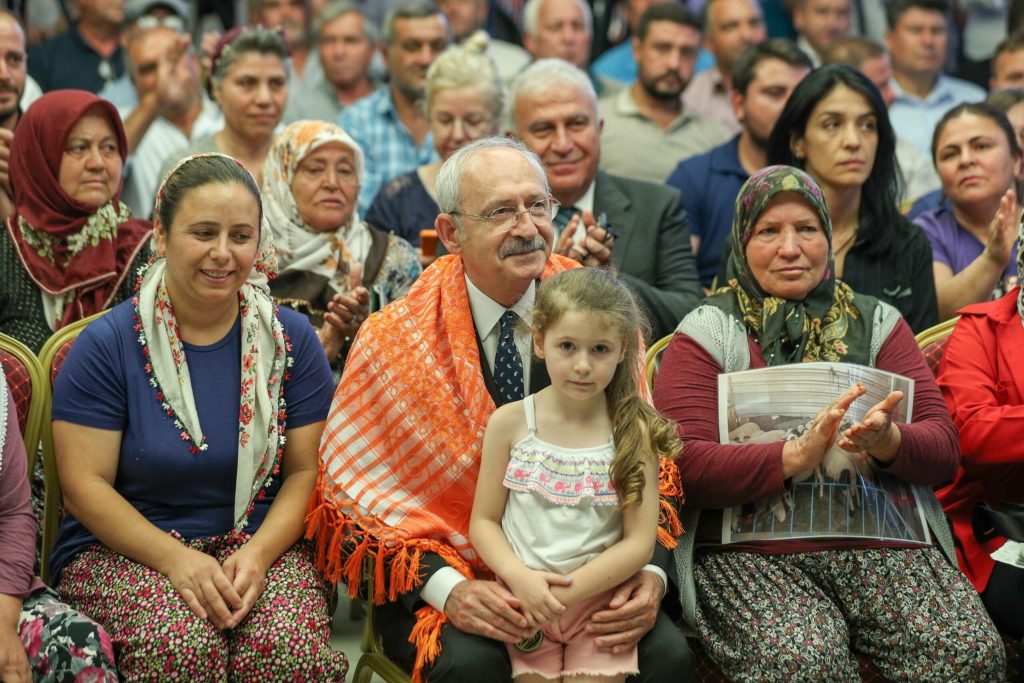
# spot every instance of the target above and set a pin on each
(143, 15)
(85, 57)
(170, 108)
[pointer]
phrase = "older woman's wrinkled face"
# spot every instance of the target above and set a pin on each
(90, 169)
(459, 116)
(788, 250)
(325, 187)
(253, 94)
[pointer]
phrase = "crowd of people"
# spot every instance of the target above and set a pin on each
(429, 245)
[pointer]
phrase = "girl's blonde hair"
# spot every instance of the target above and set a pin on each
(637, 428)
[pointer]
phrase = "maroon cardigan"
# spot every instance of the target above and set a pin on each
(17, 523)
(718, 476)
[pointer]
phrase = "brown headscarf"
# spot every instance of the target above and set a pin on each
(69, 249)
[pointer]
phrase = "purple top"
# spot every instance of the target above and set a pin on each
(953, 245)
(17, 523)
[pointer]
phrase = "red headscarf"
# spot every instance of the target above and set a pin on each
(46, 217)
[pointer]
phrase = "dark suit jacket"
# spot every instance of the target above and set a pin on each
(652, 252)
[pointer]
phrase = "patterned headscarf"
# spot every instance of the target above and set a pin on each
(818, 328)
(76, 254)
(264, 361)
(300, 247)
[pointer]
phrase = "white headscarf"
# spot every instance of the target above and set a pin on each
(300, 247)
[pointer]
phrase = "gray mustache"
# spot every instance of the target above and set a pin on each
(518, 245)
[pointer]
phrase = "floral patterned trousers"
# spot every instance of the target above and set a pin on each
(286, 636)
(800, 616)
(63, 645)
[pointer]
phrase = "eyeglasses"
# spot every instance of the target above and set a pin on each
(541, 211)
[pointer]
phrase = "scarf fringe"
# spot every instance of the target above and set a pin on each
(426, 636)
(671, 498)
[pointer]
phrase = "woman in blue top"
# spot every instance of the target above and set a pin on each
(186, 423)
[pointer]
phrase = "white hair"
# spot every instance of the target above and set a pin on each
(545, 75)
(531, 16)
(467, 66)
(450, 177)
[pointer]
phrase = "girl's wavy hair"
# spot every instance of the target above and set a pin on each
(638, 430)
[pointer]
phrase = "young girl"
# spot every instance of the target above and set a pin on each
(566, 503)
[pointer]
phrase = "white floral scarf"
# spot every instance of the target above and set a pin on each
(265, 362)
(299, 247)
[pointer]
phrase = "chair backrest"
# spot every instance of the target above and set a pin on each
(653, 358)
(27, 381)
(932, 342)
(51, 358)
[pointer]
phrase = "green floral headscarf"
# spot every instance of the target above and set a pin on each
(829, 324)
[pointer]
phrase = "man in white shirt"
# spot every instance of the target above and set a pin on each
(172, 110)
(917, 42)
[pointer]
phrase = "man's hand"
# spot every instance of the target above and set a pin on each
(594, 250)
(631, 613)
(485, 608)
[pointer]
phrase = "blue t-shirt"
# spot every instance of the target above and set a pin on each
(708, 185)
(103, 384)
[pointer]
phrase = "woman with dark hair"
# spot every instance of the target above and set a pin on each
(72, 247)
(186, 424)
(249, 81)
(973, 234)
(836, 128)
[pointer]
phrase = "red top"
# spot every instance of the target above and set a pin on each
(718, 476)
(982, 380)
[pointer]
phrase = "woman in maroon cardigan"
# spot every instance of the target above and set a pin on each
(41, 638)
(788, 609)
(982, 380)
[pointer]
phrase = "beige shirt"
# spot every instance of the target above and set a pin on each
(708, 96)
(636, 147)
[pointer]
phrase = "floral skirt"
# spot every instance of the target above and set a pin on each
(286, 636)
(63, 645)
(800, 616)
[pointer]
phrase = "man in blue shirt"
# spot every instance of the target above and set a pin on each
(762, 78)
(85, 57)
(390, 125)
(917, 42)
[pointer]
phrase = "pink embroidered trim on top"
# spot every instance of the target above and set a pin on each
(562, 476)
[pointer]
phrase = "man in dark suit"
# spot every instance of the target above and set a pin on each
(637, 227)
(427, 363)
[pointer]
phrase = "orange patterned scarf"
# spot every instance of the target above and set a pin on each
(401, 448)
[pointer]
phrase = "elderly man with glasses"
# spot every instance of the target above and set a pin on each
(401, 448)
